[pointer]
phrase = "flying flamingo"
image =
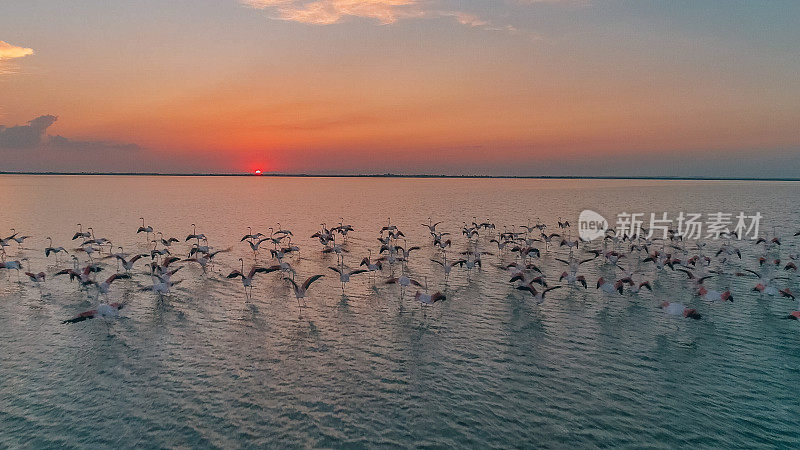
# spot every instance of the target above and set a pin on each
(194, 235)
(538, 296)
(12, 265)
(127, 264)
(166, 242)
(572, 278)
(714, 296)
(679, 309)
(431, 226)
(37, 278)
(609, 287)
(301, 290)
(103, 311)
(247, 280)
(404, 281)
(447, 266)
(18, 239)
(428, 299)
(344, 274)
(81, 234)
(104, 286)
(54, 250)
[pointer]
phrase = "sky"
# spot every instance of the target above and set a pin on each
(475, 87)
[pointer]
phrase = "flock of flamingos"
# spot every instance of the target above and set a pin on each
(96, 265)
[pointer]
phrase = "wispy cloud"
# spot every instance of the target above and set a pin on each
(326, 12)
(34, 135)
(10, 51)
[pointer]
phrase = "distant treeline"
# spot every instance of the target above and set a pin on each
(394, 175)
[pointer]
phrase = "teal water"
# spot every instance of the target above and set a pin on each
(203, 367)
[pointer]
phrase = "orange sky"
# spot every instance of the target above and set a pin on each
(402, 86)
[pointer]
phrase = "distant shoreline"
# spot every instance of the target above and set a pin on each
(391, 175)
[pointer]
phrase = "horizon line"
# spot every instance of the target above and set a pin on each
(393, 175)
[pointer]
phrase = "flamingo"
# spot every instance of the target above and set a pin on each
(448, 267)
(344, 274)
(18, 239)
(431, 226)
(389, 227)
(343, 229)
(527, 278)
(96, 241)
(84, 276)
(247, 280)
(166, 242)
(548, 239)
(335, 248)
(103, 287)
(569, 244)
(104, 311)
(403, 280)
(572, 278)
(4, 242)
(427, 299)
(11, 265)
(81, 234)
(205, 259)
(501, 246)
(282, 231)
(156, 252)
(609, 287)
(54, 250)
(679, 309)
(538, 296)
(145, 229)
(406, 252)
(250, 235)
(372, 266)
(89, 250)
(301, 290)
(35, 277)
(470, 263)
(443, 245)
(765, 284)
(194, 235)
(127, 264)
(714, 296)
(254, 244)
(376, 266)
(160, 285)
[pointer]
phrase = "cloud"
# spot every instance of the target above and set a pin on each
(58, 141)
(34, 135)
(326, 12)
(26, 136)
(10, 51)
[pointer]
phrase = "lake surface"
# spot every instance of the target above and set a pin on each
(488, 367)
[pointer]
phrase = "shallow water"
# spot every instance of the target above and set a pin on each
(203, 367)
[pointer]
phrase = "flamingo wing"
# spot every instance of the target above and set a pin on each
(310, 280)
(86, 315)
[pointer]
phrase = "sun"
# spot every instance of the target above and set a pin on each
(258, 172)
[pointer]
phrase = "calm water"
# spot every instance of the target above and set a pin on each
(486, 368)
